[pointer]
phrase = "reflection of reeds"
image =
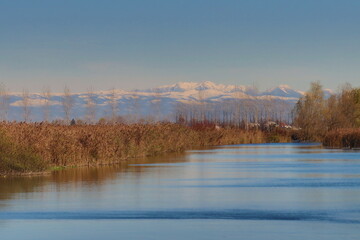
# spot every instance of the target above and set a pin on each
(59, 145)
(344, 138)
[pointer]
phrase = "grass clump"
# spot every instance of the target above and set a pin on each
(18, 159)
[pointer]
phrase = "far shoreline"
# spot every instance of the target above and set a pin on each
(62, 146)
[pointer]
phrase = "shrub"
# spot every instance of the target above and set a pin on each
(344, 138)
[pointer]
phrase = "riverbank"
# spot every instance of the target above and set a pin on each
(343, 138)
(34, 147)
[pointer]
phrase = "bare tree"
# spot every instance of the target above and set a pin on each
(68, 103)
(26, 105)
(181, 113)
(267, 105)
(310, 113)
(90, 106)
(113, 104)
(201, 98)
(135, 107)
(347, 109)
(156, 105)
(46, 98)
(237, 105)
(4, 101)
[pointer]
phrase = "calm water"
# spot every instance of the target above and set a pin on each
(266, 191)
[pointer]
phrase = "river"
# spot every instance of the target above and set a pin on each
(260, 191)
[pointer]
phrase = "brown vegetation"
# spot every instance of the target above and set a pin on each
(17, 158)
(343, 138)
(321, 119)
(62, 145)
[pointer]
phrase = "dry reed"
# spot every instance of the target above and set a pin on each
(60, 145)
(343, 138)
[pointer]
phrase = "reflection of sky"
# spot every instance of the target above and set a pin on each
(135, 44)
(211, 185)
(228, 177)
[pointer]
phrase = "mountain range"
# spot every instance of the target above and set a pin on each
(143, 102)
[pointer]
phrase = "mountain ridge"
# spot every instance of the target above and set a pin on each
(166, 96)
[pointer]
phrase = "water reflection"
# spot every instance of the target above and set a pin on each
(272, 185)
(91, 177)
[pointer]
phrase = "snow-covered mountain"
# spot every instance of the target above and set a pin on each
(282, 91)
(213, 88)
(190, 86)
(162, 99)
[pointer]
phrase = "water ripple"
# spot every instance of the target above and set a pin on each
(189, 214)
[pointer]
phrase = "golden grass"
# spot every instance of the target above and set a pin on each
(15, 158)
(59, 145)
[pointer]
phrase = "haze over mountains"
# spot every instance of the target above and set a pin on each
(144, 102)
(214, 91)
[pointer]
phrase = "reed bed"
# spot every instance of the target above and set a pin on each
(343, 138)
(17, 158)
(52, 146)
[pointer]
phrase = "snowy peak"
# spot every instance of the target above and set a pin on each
(207, 85)
(211, 90)
(191, 86)
(166, 98)
(283, 91)
(328, 92)
(177, 87)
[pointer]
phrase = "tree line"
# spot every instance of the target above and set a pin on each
(67, 103)
(317, 115)
(252, 112)
(241, 113)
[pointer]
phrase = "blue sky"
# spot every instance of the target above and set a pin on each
(145, 43)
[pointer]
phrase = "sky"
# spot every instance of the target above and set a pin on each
(137, 44)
